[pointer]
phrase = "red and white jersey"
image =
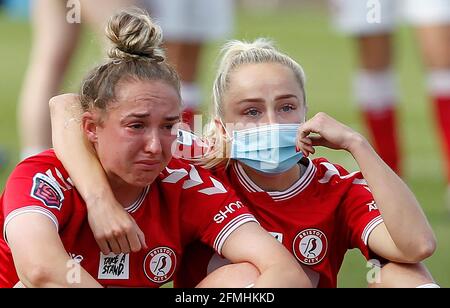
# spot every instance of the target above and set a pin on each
(325, 213)
(182, 205)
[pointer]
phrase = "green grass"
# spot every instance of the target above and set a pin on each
(328, 60)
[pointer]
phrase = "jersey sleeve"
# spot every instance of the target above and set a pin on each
(37, 186)
(211, 209)
(360, 213)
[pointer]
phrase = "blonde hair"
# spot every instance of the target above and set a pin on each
(234, 55)
(136, 53)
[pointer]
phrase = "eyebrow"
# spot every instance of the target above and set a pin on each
(138, 115)
(147, 114)
(261, 100)
(285, 96)
(174, 118)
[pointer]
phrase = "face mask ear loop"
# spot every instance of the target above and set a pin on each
(226, 131)
(227, 142)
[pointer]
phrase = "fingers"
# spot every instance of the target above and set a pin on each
(136, 240)
(136, 237)
(141, 237)
(117, 233)
(126, 239)
(318, 141)
(103, 245)
(114, 246)
(124, 245)
(305, 145)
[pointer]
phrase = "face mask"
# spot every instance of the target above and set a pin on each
(268, 149)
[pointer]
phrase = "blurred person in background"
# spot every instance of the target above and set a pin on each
(188, 26)
(56, 32)
(372, 24)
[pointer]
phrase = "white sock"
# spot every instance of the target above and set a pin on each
(375, 90)
(438, 82)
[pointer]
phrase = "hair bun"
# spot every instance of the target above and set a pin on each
(134, 35)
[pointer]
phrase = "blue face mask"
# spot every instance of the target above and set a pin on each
(268, 149)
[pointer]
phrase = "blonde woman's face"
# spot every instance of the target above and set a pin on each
(262, 94)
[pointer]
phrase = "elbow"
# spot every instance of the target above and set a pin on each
(53, 103)
(63, 101)
(37, 276)
(424, 249)
(428, 247)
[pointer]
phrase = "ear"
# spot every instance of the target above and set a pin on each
(89, 125)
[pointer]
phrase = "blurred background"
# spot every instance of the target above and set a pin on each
(304, 30)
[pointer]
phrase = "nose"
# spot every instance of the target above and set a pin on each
(153, 144)
(270, 118)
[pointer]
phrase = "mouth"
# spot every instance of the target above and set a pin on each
(148, 164)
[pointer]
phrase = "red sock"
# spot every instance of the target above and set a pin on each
(442, 109)
(383, 130)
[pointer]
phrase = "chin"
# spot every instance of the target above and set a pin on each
(144, 180)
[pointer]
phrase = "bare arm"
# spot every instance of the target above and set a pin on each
(40, 257)
(405, 235)
(278, 268)
(113, 228)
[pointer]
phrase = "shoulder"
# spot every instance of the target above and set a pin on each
(44, 166)
(41, 161)
(185, 178)
(331, 173)
(39, 184)
(42, 177)
(46, 163)
(181, 172)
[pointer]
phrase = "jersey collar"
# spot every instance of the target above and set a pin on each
(292, 191)
(137, 204)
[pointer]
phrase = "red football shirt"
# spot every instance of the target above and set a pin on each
(325, 213)
(184, 204)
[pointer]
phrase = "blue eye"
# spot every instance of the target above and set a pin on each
(287, 108)
(252, 112)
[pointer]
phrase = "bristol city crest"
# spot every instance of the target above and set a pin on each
(160, 264)
(310, 246)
